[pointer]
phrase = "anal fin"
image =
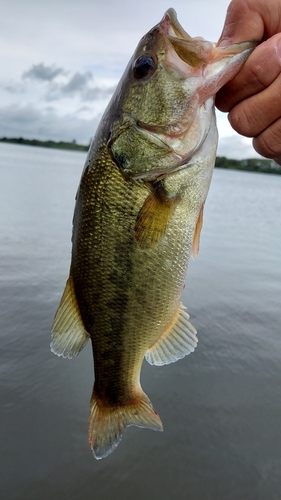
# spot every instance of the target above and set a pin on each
(176, 342)
(68, 332)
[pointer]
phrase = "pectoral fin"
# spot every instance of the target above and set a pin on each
(197, 232)
(68, 333)
(154, 216)
(176, 342)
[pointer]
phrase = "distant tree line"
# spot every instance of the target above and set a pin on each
(46, 144)
(252, 164)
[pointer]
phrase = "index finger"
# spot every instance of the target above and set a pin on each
(259, 71)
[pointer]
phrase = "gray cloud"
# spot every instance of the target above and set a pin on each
(14, 88)
(96, 93)
(236, 147)
(29, 122)
(42, 72)
(79, 85)
(77, 82)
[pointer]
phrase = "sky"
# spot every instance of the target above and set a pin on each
(60, 61)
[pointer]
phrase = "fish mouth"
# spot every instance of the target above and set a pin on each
(196, 52)
(171, 26)
(189, 57)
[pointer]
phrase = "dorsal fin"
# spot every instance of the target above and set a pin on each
(68, 332)
(176, 342)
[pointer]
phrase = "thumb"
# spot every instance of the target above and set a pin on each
(243, 22)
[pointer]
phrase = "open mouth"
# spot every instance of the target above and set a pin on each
(196, 52)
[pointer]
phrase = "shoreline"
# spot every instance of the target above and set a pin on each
(248, 165)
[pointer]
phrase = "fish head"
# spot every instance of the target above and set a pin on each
(161, 111)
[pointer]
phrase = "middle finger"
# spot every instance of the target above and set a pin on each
(253, 115)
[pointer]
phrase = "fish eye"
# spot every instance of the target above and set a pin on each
(144, 65)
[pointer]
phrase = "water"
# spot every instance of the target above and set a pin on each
(221, 406)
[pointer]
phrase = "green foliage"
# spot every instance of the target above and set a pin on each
(252, 165)
(46, 144)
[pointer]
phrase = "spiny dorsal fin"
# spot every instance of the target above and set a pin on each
(176, 342)
(68, 332)
(154, 216)
(197, 232)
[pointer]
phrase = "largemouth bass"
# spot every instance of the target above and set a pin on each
(137, 220)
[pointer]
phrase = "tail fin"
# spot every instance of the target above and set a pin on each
(106, 423)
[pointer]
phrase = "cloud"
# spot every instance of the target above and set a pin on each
(77, 82)
(31, 123)
(97, 93)
(14, 88)
(59, 84)
(237, 147)
(42, 72)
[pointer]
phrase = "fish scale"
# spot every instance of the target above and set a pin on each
(137, 220)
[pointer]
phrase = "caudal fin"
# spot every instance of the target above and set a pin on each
(106, 423)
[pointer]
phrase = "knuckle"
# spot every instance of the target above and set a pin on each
(257, 76)
(268, 143)
(262, 67)
(240, 119)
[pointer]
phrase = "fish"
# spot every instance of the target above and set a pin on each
(137, 221)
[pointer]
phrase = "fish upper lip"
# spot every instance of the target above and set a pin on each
(171, 26)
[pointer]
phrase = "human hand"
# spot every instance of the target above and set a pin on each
(253, 97)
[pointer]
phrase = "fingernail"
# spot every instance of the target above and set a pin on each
(224, 42)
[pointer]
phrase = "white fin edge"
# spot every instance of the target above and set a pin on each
(68, 332)
(106, 423)
(175, 343)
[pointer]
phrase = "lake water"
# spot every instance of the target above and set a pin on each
(220, 406)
